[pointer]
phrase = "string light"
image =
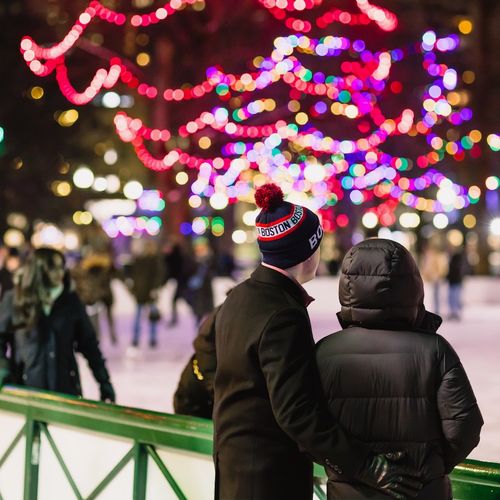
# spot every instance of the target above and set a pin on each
(295, 153)
(384, 19)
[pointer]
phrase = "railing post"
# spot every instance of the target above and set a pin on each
(140, 471)
(31, 460)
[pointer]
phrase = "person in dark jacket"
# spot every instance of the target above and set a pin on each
(457, 269)
(390, 379)
(48, 324)
(93, 276)
(199, 293)
(195, 391)
(269, 417)
(193, 277)
(179, 266)
(145, 279)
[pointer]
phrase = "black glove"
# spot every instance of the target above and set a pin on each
(107, 392)
(381, 472)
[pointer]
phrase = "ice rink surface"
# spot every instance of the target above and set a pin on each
(147, 378)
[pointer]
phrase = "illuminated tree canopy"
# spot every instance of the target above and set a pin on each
(314, 114)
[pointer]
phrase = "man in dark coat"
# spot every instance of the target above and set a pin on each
(268, 415)
(390, 379)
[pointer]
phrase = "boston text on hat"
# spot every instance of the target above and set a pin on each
(282, 227)
(315, 239)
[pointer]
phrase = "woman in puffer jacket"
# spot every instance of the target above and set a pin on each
(389, 378)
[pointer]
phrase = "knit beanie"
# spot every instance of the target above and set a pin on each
(287, 234)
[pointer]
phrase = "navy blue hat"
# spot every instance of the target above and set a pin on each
(287, 234)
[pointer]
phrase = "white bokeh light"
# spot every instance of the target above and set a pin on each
(239, 236)
(113, 183)
(133, 190)
(440, 221)
(100, 184)
(110, 157)
(249, 217)
(369, 220)
(495, 226)
(83, 177)
(111, 100)
(219, 201)
(409, 219)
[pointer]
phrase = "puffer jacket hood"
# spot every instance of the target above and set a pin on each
(381, 287)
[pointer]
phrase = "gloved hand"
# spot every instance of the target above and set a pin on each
(107, 392)
(4, 374)
(381, 472)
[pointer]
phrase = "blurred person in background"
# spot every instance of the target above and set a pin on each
(199, 293)
(93, 276)
(10, 261)
(5, 277)
(457, 269)
(195, 391)
(145, 278)
(179, 267)
(434, 268)
(390, 379)
(193, 276)
(45, 323)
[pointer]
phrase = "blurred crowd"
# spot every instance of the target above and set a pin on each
(82, 291)
(51, 304)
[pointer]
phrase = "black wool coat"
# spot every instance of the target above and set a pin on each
(45, 355)
(389, 378)
(269, 417)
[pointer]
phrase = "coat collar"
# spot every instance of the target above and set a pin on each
(53, 295)
(428, 322)
(59, 302)
(269, 276)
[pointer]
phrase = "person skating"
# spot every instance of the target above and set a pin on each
(391, 380)
(46, 322)
(93, 276)
(269, 416)
(193, 280)
(434, 268)
(145, 278)
(457, 269)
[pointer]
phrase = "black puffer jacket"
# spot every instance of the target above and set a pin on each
(389, 378)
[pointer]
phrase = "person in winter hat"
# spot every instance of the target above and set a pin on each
(269, 417)
(391, 380)
(287, 234)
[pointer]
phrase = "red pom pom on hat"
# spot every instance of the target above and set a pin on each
(268, 196)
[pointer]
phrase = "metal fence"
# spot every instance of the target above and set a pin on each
(61, 447)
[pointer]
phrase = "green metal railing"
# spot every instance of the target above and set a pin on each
(146, 431)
